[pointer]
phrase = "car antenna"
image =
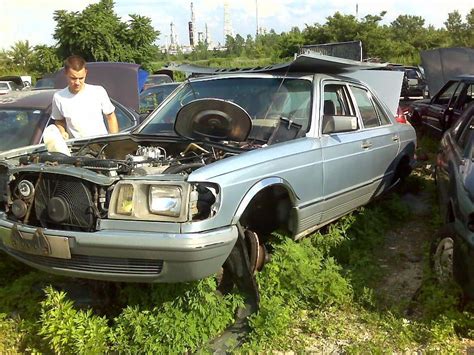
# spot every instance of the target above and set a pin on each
(278, 89)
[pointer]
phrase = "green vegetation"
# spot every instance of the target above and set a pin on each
(320, 293)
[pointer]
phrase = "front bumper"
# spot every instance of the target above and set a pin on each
(120, 255)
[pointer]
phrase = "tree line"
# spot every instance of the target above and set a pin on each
(98, 34)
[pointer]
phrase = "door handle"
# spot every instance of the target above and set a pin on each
(366, 145)
(395, 138)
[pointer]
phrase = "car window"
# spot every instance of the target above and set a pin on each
(4, 86)
(465, 136)
(264, 99)
(18, 127)
(335, 101)
(123, 118)
(411, 74)
(466, 97)
(366, 107)
(446, 93)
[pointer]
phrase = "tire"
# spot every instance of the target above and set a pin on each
(447, 260)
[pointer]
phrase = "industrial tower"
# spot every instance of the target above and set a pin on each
(227, 23)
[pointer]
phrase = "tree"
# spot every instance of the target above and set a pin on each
(98, 35)
(20, 55)
(45, 60)
(289, 43)
(460, 33)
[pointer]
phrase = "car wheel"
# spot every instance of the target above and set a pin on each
(443, 257)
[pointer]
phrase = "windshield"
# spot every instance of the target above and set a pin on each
(152, 97)
(158, 79)
(19, 128)
(264, 99)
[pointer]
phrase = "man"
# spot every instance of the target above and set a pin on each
(77, 109)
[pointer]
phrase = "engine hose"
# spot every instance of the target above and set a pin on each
(175, 169)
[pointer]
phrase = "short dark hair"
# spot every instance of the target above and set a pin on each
(74, 62)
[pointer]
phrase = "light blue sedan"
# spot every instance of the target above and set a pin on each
(223, 162)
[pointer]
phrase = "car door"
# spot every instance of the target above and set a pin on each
(465, 97)
(437, 114)
(358, 163)
(454, 165)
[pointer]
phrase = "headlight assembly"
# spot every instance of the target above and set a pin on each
(150, 201)
(165, 200)
(125, 199)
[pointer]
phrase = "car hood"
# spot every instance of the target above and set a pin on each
(121, 80)
(442, 64)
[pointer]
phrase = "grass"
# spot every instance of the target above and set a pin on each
(318, 294)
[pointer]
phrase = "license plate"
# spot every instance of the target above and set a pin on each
(38, 243)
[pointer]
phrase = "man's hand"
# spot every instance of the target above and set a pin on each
(62, 128)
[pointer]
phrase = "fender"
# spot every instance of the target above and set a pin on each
(256, 188)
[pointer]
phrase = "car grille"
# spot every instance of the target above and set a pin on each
(108, 265)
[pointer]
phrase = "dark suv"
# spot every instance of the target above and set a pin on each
(414, 83)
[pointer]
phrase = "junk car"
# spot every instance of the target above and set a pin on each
(223, 162)
(453, 247)
(444, 108)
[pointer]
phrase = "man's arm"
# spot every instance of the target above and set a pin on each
(61, 124)
(58, 118)
(112, 122)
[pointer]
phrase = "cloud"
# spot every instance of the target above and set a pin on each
(33, 20)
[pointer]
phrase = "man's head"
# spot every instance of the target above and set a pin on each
(76, 72)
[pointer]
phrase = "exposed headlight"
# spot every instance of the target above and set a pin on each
(125, 200)
(165, 200)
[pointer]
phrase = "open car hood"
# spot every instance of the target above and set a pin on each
(121, 80)
(213, 119)
(443, 64)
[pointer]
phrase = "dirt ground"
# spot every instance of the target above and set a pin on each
(404, 251)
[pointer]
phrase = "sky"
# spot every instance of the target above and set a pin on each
(32, 20)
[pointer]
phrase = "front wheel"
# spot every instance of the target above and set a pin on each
(443, 257)
(448, 261)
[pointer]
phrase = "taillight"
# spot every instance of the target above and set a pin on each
(400, 117)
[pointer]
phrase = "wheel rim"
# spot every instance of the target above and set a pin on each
(443, 260)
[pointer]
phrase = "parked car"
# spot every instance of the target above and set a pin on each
(156, 79)
(153, 96)
(444, 108)
(414, 82)
(25, 114)
(8, 86)
(44, 83)
(453, 249)
(206, 178)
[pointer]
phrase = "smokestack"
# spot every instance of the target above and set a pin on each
(191, 33)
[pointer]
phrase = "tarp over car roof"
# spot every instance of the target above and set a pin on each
(442, 64)
(121, 80)
(386, 84)
(303, 63)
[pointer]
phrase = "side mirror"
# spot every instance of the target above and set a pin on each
(336, 124)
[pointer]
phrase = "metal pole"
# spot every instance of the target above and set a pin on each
(256, 17)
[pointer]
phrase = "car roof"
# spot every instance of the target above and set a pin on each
(39, 99)
(466, 77)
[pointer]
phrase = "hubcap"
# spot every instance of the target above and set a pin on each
(443, 260)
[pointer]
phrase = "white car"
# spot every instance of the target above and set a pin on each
(7, 86)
